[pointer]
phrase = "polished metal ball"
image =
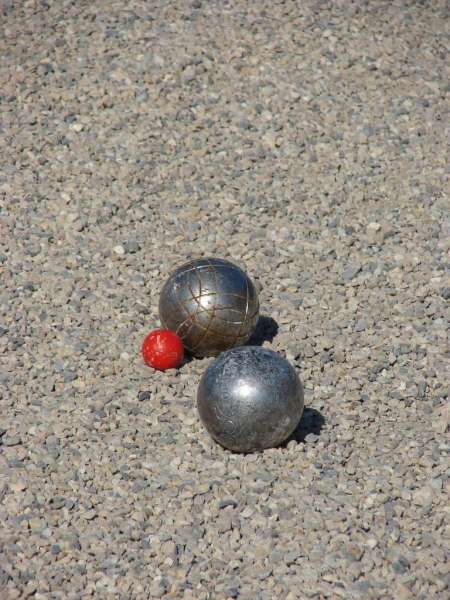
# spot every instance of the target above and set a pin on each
(250, 398)
(211, 304)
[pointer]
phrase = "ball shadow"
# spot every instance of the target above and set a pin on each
(312, 421)
(265, 331)
(188, 358)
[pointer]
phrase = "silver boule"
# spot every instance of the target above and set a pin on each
(250, 398)
(211, 304)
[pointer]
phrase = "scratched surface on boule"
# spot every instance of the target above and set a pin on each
(255, 388)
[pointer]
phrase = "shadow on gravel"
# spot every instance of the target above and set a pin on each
(312, 421)
(266, 330)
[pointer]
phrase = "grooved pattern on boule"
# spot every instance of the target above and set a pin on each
(211, 304)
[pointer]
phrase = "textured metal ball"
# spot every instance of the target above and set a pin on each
(211, 304)
(250, 398)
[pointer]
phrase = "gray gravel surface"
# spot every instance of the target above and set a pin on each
(305, 141)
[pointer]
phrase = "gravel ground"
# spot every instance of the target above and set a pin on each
(306, 142)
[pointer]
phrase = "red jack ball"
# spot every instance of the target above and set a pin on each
(163, 349)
